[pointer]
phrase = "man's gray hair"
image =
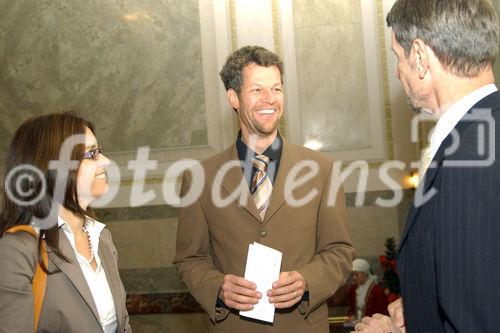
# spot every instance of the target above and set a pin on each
(462, 33)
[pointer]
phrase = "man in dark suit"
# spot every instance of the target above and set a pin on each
(213, 237)
(449, 252)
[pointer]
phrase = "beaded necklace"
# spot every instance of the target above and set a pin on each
(84, 229)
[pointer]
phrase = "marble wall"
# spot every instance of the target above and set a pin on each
(176, 323)
(331, 72)
(133, 67)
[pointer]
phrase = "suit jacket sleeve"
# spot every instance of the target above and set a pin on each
(332, 263)
(193, 257)
(18, 256)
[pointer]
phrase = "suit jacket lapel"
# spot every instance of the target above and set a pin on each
(423, 189)
(278, 195)
(429, 178)
(73, 271)
(233, 178)
(108, 261)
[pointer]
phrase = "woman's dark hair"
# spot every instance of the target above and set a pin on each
(35, 143)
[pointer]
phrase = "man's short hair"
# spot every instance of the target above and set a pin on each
(232, 71)
(462, 33)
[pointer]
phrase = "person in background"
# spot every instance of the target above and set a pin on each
(83, 291)
(365, 296)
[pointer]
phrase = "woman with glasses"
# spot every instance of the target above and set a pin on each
(54, 170)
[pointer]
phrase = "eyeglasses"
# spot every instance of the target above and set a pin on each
(93, 154)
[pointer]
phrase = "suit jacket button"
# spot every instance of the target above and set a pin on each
(263, 233)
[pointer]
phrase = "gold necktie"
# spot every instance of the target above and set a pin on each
(261, 185)
(425, 161)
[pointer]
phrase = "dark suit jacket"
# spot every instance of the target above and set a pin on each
(313, 238)
(449, 256)
(68, 305)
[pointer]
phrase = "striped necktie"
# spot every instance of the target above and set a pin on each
(261, 185)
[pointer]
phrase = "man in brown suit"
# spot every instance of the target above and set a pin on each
(287, 204)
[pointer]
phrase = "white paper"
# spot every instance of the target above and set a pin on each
(262, 268)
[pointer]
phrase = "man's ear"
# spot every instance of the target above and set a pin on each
(419, 50)
(232, 98)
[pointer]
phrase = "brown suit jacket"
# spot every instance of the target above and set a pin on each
(313, 238)
(68, 305)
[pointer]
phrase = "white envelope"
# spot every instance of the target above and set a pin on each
(262, 268)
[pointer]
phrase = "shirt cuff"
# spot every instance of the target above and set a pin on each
(220, 303)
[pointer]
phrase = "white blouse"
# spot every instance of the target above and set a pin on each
(96, 280)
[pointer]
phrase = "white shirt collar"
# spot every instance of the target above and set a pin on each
(455, 112)
(93, 226)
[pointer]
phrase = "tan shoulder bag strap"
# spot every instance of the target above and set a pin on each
(40, 277)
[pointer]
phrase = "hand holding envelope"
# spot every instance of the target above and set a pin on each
(264, 288)
(263, 268)
(288, 290)
(238, 293)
